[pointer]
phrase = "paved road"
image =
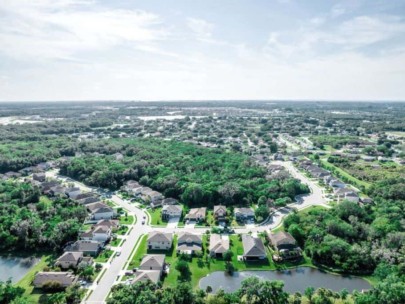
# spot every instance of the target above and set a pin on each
(115, 268)
(101, 291)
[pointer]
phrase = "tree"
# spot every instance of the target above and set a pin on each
(9, 293)
(262, 212)
(229, 268)
(183, 268)
(227, 255)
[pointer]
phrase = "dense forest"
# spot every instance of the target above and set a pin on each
(196, 175)
(28, 221)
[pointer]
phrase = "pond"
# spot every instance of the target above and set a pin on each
(295, 280)
(15, 268)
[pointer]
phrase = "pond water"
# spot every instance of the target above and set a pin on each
(297, 279)
(15, 268)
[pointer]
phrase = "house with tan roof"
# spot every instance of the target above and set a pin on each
(69, 259)
(151, 268)
(220, 213)
(196, 214)
(219, 244)
(282, 240)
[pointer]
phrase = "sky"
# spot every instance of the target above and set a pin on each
(202, 50)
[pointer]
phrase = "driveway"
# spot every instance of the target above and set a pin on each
(173, 222)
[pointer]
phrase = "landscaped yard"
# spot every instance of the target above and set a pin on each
(156, 217)
(116, 242)
(140, 252)
(103, 256)
(121, 230)
(127, 220)
(34, 294)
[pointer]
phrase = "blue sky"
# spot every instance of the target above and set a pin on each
(196, 50)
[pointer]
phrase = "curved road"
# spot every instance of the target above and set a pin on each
(113, 270)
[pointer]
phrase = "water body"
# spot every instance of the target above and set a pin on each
(295, 280)
(15, 268)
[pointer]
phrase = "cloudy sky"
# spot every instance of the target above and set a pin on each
(202, 49)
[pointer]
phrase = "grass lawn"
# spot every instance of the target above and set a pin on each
(351, 179)
(34, 294)
(156, 217)
(140, 252)
(116, 242)
(127, 220)
(103, 256)
(121, 230)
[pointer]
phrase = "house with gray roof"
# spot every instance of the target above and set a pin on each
(69, 259)
(282, 240)
(151, 268)
(91, 248)
(171, 211)
(244, 214)
(253, 248)
(65, 279)
(188, 242)
(160, 240)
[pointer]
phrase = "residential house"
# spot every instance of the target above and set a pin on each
(70, 259)
(40, 177)
(72, 192)
(219, 244)
(100, 211)
(65, 279)
(151, 268)
(151, 196)
(47, 186)
(58, 191)
(171, 211)
(244, 214)
(196, 214)
(169, 201)
(253, 248)
(335, 183)
(133, 187)
(282, 240)
(88, 200)
(220, 213)
(98, 233)
(91, 248)
(188, 242)
(346, 194)
(160, 240)
(112, 224)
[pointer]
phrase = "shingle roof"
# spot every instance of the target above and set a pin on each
(64, 278)
(218, 244)
(281, 238)
(252, 246)
(187, 237)
(147, 275)
(156, 236)
(152, 260)
(70, 256)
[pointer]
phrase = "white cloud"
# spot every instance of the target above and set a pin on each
(59, 29)
(201, 28)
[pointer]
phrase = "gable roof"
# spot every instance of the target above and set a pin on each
(245, 211)
(187, 237)
(70, 256)
(147, 275)
(219, 208)
(172, 208)
(252, 246)
(218, 243)
(157, 236)
(152, 260)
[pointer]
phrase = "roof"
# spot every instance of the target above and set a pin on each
(282, 238)
(218, 243)
(156, 236)
(244, 211)
(152, 260)
(101, 229)
(108, 223)
(197, 212)
(64, 278)
(172, 208)
(219, 208)
(85, 246)
(147, 275)
(252, 246)
(169, 201)
(70, 256)
(187, 237)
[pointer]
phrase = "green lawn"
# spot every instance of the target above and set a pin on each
(127, 220)
(351, 179)
(116, 242)
(121, 230)
(140, 252)
(34, 294)
(103, 256)
(156, 217)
